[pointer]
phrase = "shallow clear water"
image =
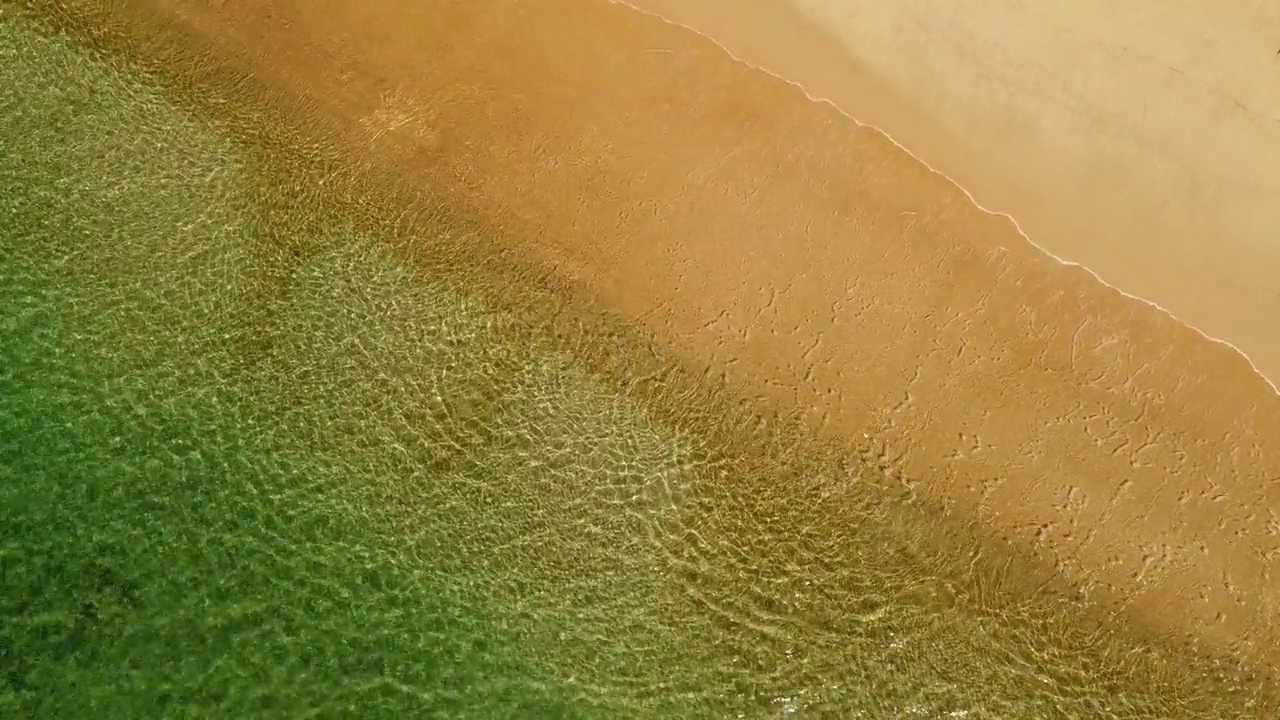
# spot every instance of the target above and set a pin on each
(251, 468)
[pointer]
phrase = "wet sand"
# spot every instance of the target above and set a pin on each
(810, 263)
(1140, 142)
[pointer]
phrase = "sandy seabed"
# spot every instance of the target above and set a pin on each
(811, 265)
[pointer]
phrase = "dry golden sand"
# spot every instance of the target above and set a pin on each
(811, 264)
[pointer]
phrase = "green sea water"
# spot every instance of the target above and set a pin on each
(252, 465)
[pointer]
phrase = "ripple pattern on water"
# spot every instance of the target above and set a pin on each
(254, 464)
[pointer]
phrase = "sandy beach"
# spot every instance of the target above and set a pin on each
(1141, 143)
(816, 267)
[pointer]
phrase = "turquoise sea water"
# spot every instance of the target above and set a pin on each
(253, 469)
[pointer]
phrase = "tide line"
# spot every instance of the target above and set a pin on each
(996, 213)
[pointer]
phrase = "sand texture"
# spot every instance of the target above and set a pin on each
(817, 268)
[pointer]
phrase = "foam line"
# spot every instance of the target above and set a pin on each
(969, 195)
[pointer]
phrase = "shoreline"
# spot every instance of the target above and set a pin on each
(897, 274)
(827, 71)
(969, 194)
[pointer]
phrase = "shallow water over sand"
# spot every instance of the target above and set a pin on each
(254, 463)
